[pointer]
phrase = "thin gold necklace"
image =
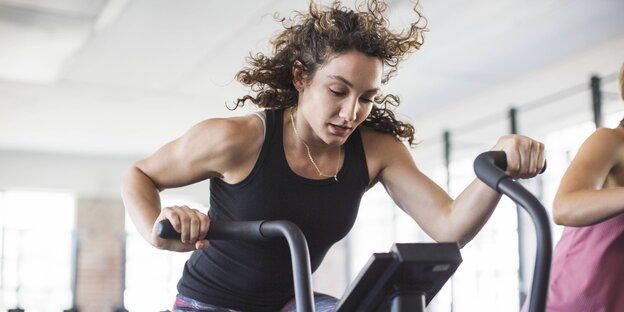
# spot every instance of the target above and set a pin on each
(335, 176)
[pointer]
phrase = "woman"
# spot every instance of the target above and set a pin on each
(325, 136)
(588, 263)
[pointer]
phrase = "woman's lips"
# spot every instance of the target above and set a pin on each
(339, 130)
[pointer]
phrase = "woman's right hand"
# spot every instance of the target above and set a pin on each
(192, 225)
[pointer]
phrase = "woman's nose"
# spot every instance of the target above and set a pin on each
(348, 110)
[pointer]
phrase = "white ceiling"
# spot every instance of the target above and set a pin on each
(122, 77)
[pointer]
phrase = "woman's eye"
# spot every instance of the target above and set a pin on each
(337, 93)
(365, 100)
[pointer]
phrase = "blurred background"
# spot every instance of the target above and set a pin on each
(88, 87)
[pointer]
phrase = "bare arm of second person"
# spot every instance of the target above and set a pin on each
(214, 148)
(591, 190)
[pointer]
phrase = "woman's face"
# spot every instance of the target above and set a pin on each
(339, 97)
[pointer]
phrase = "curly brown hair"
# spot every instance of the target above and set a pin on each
(313, 37)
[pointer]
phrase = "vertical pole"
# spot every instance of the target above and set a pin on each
(74, 273)
(513, 128)
(18, 269)
(75, 253)
(513, 120)
(123, 272)
(122, 306)
(596, 100)
(447, 158)
(447, 166)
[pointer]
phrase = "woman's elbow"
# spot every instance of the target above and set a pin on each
(461, 240)
(561, 212)
(559, 218)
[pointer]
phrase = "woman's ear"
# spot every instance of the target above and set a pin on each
(297, 75)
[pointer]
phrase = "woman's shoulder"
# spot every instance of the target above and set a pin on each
(374, 140)
(230, 135)
(605, 146)
(608, 136)
(370, 134)
(381, 145)
(247, 124)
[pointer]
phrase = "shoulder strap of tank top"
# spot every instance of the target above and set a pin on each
(262, 116)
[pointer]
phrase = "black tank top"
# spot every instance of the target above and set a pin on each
(257, 275)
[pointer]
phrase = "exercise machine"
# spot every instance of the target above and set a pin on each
(410, 275)
(489, 168)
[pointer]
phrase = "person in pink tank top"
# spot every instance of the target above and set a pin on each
(588, 263)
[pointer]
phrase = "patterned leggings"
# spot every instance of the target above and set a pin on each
(322, 303)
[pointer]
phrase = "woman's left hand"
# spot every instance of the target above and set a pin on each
(525, 156)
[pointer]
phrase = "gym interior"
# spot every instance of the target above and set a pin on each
(87, 88)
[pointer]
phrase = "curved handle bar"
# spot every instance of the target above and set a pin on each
(246, 230)
(489, 168)
(255, 230)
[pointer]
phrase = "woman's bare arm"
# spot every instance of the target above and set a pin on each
(585, 195)
(441, 217)
(214, 148)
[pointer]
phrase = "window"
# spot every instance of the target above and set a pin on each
(36, 249)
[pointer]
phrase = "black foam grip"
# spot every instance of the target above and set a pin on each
(217, 230)
(492, 175)
(165, 230)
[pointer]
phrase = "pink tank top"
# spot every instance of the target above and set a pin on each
(588, 268)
